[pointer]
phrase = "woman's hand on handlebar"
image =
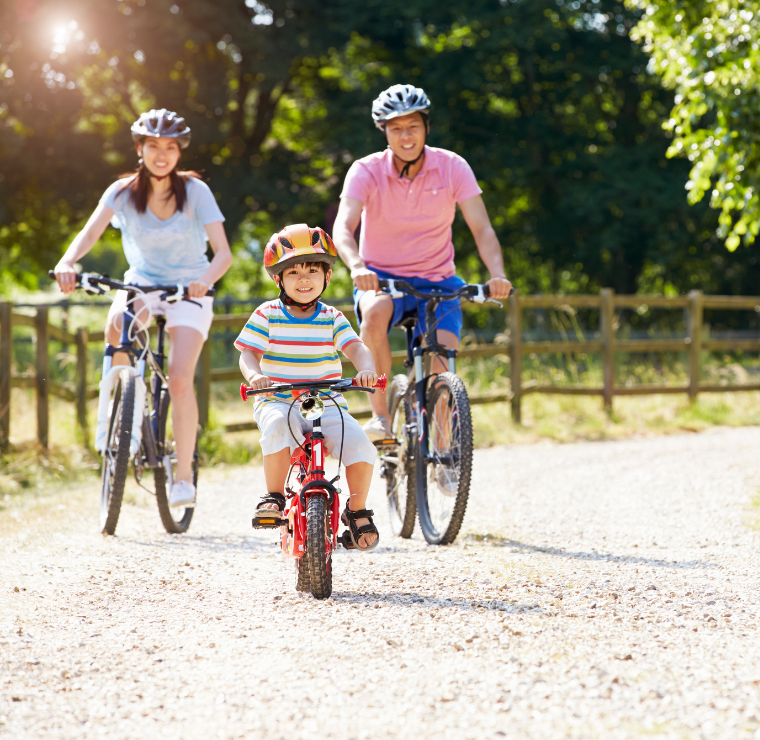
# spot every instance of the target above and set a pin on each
(197, 289)
(66, 276)
(365, 279)
(500, 288)
(366, 378)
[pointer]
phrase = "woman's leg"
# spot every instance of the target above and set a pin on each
(186, 346)
(114, 320)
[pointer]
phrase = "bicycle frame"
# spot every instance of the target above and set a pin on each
(309, 460)
(156, 361)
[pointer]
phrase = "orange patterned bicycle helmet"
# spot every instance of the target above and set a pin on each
(298, 243)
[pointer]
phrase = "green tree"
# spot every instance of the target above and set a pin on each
(707, 52)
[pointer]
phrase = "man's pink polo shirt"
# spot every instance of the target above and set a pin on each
(406, 224)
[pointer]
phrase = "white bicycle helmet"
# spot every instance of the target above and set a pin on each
(398, 100)
(162, 123)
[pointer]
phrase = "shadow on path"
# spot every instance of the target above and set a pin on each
(497, 541)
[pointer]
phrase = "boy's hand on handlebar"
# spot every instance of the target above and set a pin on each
(259, 382)
(365, 279)
(197, 289)
(366, 378)
(66, 276)
(499, 287)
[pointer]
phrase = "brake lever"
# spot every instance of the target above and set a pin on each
(190, 300)
(493, 300)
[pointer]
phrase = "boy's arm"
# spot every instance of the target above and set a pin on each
(251, 369)
(363, 361)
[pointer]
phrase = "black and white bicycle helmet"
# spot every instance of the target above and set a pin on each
(398, 100)
(162, 123)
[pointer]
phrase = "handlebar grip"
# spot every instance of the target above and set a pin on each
(51, 275)
(487, 291)
(382, 382)
(383, 284)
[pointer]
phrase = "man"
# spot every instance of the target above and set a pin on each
(405, 198)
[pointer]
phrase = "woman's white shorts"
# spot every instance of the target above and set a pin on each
(179, 313)
(271, 418)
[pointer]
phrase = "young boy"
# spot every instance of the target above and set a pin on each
(297, 338)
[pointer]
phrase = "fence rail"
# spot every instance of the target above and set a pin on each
(607, 302)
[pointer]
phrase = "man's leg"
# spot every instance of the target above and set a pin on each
(377, 313)
(449, 340)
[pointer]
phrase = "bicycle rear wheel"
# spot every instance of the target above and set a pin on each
(175, 519)
(319, 546)
(399, 465)
(116, 452)
(443, 483)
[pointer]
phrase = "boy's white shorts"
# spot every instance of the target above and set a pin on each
(272, 422)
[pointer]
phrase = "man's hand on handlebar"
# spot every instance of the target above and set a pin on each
(499, 287)
(66, 276)
(365, 279)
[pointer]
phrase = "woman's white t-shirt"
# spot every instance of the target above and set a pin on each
(164, 252)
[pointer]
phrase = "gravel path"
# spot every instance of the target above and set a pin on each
(602, 590)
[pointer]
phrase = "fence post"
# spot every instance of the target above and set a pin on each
(203, 383)
(41, 375)
(695, 341)
(515, 356)
(607, 327)
(82, 337)
(6, 365)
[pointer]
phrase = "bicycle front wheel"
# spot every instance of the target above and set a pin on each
(399, 465)
(319, 546)
(176, 519)
(443, 483)
(116, 452)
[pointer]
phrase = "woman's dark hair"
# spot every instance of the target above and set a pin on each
(139, 187)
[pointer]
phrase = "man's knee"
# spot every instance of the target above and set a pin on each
(376, 315)
(448, 339)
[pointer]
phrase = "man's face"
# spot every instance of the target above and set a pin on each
(406, 136)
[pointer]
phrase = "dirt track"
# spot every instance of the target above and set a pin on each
(605, 590)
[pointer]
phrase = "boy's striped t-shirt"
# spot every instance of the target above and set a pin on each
(297, 349)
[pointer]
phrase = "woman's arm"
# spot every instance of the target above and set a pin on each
(83, 242)
(476, 216)
(364, 363)
(218, 266)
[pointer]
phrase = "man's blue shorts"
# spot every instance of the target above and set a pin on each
(448, 313)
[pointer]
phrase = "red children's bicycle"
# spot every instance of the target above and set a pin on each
(313, 511)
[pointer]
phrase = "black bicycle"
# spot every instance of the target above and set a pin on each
(136, 424)
(428, 464)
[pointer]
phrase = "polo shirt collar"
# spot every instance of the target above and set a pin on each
(430, 162)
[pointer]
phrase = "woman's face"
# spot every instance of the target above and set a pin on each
(160, 155)
(406, 136)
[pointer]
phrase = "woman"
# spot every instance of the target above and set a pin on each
(166, 217)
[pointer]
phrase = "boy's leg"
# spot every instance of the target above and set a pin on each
(275, 469)
(359, 477)
(275, 444)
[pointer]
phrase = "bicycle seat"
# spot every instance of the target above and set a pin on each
(408, 319)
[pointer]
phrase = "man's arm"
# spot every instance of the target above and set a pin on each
(476, 216)
(346, 223)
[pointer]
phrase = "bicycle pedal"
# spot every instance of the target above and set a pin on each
(266, 522)
(382, 443)
(346, 541)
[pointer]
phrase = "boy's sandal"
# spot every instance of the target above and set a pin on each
(269, 518)
(350, 537)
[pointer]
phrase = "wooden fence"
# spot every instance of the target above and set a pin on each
(607, 346)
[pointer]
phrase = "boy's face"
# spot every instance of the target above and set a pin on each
(303, 283)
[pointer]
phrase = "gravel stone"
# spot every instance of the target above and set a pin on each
(598, 590)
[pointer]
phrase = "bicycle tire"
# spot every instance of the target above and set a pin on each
(400, 477)
(303, 579)
(172, 521)
(116, 453)
(443, 482)
(318, 546)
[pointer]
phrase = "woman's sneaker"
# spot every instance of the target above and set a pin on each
(378, 428)
(182, 494)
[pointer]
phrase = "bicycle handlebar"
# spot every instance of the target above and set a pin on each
(476, 293)
(93, 282)
(340, 386)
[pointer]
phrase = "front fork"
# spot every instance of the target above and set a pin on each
(420, 391)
